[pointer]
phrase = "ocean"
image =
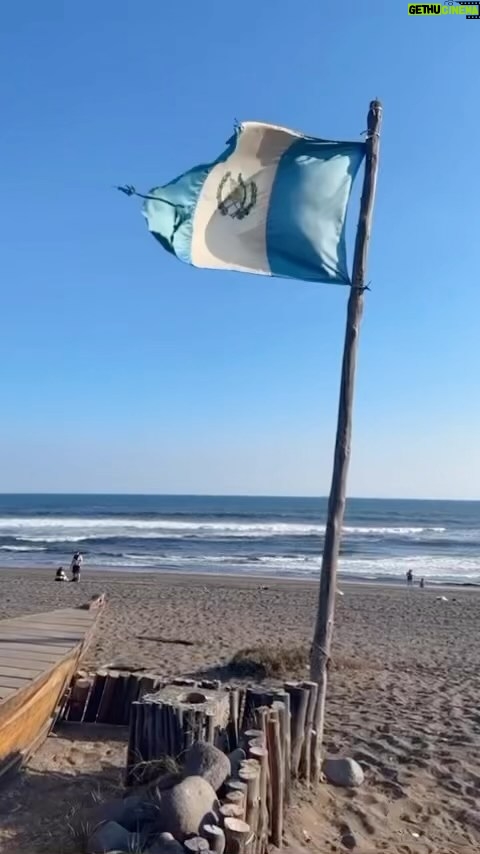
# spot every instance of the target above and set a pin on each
(277, 537)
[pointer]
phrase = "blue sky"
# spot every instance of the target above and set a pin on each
(125, 370)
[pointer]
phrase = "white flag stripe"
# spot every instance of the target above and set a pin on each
(220, 241)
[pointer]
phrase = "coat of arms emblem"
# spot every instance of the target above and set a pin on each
(236, 198)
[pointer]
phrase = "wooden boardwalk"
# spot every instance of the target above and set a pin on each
(39, 655)
(32, 645)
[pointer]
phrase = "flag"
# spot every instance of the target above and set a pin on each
(274, 202)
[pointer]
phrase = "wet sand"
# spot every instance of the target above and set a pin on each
(403, 698)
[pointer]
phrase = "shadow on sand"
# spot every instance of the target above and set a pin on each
(40, 805)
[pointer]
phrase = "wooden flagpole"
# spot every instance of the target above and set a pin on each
(322, 638)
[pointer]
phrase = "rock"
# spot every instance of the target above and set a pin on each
(196, 844)
(184, 809)
(166, 781)
(111, 836)
(343, 772)
(130, 812)
(165, 843)
(349, 841)
(205, 760)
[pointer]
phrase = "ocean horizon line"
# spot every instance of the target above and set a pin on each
(264, 496)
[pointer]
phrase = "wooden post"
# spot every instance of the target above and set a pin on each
(235, 796)
(232, 726)
(254, 698)
(188, 728)
(252, 735)
(79, 699)
(278, 783)
(235, 785)
(260, 754)
(119, 704)
(298, 710)
(336, 504)
(262, 722)
(96, 696)
(305, 759)
(179, 745)
(230, 811)
(105, 707)
(131, 746)
(210, 727)
(215, 837)
(136, 746)
(251, 776)
(282, 705)
(238, 836)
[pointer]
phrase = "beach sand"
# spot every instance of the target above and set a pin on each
(403, 700)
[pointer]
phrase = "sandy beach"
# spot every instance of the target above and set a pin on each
(403, 699)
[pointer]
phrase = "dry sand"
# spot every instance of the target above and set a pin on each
(404, 699)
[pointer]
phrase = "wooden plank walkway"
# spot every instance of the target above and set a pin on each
(34, 644)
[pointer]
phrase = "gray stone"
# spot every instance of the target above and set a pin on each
(184, 809)
(166, 781)
(205, 760)
(343, 772)
(130, 812)
(196, 844)
(349, 841)
(111, 836)
(165, 844)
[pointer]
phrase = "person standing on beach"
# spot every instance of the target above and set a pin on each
(76, 566)
(409, 577)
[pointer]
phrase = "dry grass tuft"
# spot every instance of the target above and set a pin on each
(161, 773)
(78, 829)
(265, 662)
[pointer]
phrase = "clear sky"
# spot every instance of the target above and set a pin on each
(123, 369)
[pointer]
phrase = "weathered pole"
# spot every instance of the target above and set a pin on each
(322, 639)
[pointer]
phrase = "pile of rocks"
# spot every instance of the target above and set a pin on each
(181, 813)
(184, 813)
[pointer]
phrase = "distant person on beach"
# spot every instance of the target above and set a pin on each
(76, 566)
(422, 583)
(60, 574)
(409, 576)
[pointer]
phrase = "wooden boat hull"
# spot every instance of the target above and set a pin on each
(39, 655)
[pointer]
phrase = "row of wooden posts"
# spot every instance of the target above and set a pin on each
(106, 696)
(158, 729)
(268, 735)
(115, 698)
(253, 804)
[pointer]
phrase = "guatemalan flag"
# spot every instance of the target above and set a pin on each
(275, 202)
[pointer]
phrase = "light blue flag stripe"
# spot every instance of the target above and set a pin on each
(274, 202)
(308, 203)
